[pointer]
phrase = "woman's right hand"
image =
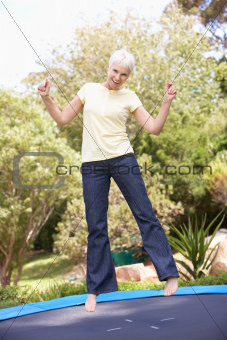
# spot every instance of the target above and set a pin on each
(44, 87)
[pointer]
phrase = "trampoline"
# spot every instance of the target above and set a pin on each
(198, 312)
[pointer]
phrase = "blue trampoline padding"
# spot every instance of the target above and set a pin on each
(68, 301)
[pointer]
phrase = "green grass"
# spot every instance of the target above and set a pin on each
(43, 268)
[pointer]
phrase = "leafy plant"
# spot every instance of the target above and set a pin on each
(193, 247)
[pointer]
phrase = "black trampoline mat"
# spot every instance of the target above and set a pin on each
(184, 317)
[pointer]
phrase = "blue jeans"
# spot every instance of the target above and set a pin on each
(96, 175)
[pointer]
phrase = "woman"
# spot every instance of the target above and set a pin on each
(106, 153)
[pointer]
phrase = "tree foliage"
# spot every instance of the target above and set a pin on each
(212, 14)
(23, 212)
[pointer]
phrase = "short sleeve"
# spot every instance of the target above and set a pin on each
(134, 102)
(81, 93)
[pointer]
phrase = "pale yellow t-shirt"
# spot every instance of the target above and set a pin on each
(104, 121)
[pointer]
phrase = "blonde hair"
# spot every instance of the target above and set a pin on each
(124, 58)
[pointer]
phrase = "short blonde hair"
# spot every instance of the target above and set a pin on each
(124, 58)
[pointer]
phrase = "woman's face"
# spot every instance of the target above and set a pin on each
(117, 75)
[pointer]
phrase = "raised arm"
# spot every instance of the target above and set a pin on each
(154, 126)
(67, 114)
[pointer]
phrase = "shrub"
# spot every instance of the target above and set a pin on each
(14, 295)
(192, 246)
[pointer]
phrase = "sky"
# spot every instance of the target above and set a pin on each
(35, 26)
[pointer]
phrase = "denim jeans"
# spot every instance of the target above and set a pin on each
(96, 175)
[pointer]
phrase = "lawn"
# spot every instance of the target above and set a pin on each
(41, 268)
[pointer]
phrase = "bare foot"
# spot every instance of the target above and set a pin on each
(91, 302)
(171, 286)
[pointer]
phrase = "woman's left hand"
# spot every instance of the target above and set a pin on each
(170, 91)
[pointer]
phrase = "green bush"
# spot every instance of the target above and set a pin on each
(71, 289)
(14, 296)
(193, 246)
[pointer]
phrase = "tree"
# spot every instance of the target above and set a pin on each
(217, 183)
(211, 14)
(23, 212)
